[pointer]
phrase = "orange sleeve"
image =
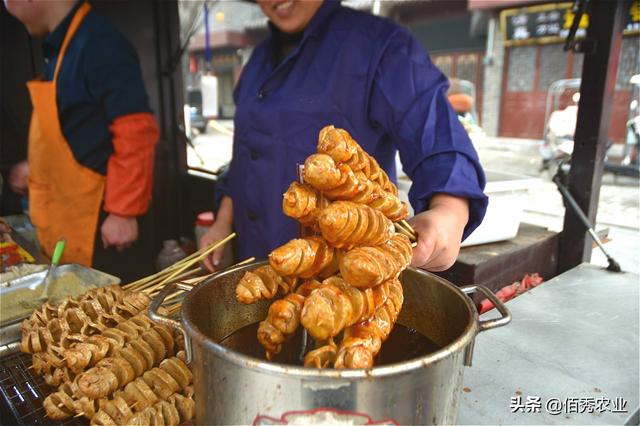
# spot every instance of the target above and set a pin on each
(130, 167)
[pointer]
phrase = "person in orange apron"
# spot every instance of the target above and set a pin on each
(90, 155)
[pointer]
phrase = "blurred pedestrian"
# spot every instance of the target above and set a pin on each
(91, 141)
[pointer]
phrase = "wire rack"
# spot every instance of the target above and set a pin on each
(23, 392)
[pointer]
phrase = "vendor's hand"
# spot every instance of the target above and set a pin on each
(119, 232)
(439, 232)
(19, 178)
(218, 231)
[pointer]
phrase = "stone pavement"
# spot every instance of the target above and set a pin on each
(618, 209)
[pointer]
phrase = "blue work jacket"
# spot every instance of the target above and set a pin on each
(358, 72)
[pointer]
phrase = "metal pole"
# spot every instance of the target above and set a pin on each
(207, 46)
(602, 52)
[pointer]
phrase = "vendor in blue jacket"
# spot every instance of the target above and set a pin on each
(327, 64)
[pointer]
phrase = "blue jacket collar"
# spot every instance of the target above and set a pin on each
(321, 16)
(317, 22)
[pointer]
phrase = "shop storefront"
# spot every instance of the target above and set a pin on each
(534, 58)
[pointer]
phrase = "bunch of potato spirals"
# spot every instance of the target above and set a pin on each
(158, 384)
(109, 361)
(75, 319)
(58, 364)
(350, 267)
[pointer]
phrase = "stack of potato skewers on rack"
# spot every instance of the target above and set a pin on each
(109, 361)
(360, 247)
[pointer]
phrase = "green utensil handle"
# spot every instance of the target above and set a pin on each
(57, 252)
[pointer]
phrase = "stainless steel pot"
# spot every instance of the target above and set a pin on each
(233, 388)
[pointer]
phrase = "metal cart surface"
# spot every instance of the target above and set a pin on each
(574, 339)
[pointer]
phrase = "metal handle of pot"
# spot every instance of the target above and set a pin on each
(491, 323)
(157, 317)
(486, 324)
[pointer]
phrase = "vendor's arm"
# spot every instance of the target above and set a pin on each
(408, 100)
(220, 229)
(116, 80)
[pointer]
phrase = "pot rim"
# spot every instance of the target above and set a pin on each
(246, 361)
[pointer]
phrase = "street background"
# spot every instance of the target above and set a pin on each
(618, 208)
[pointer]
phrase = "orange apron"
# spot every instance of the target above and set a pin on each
(64, 196)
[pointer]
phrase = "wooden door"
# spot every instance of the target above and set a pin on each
(530, 70)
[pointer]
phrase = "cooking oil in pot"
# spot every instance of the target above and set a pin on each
(403, 344)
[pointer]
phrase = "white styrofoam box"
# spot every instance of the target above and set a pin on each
(507, 194)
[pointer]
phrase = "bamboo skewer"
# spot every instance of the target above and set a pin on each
(136, 285)
(413, 237)
(155, 278)
(201, 279)
(197, 259)
(174, 309)
(196, 281)
(409, 228)
(140, 283)
(167, 274)
(179, 292)
(406, 227)
(154, 287)
(244, 262)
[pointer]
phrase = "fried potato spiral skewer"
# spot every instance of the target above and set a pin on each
(339, 182)
(362, 341)
(323, 356)
(388, 204)
(156, 384)
(98, 347)
(365, 267)
(61, 404)
(336, 181)
(87, 317)
(262, 283)
(108, 296)
(111, 373)
(304, 258)
(283, 318)
(339, 144)
(177, 409)
(62, 363)
(345, 224)
(281, 322)
(303, 203)
(336, 305)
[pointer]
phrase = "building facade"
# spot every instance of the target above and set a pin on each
(525, 55)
